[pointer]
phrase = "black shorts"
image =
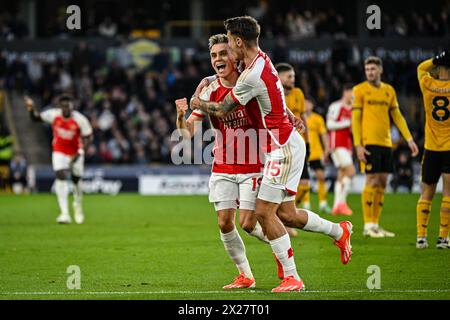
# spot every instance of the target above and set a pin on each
(305, 172)
(434, 163)
(316, 165)
(379, 161)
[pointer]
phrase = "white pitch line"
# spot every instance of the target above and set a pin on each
(213, 292)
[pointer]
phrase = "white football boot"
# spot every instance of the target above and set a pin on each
(443, 243)
(64, 219)
(421, 243)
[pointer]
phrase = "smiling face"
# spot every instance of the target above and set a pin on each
(373, 72)
(222, 59)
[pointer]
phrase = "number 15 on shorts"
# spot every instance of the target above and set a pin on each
(272, 169)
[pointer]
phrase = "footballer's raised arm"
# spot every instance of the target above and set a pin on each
(187, 127)
(29, 104)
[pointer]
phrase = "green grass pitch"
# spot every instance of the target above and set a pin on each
(134, 247)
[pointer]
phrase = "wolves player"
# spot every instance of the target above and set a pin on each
(231, 183)
(260, 90)
(295, 101)
(374, 104)
(71, 135)
(436, 158)
(319, 152)
(339, 126)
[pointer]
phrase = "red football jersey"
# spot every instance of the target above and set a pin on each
(260, 90)
(67, 132)
(236, 143)
(339, 124)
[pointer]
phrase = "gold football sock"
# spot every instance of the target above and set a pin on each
(321, 191)
(423, 217)
(305, 200)
(378, 200)
(302, 191)
(445, 217)
(367, 198)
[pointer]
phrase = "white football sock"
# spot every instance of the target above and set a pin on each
(62, 194)
(317, 224)
(369, 225)
(258, 233)
(306, 205)
(346, 183)
(282, 249)
(77, 193)
(235, 248)
(337, 193)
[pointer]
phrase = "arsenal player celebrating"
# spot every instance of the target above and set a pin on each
(71, 134)
(339, 126)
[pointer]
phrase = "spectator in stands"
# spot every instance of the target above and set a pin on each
(107, 28)
(18, 173)
(6, 153)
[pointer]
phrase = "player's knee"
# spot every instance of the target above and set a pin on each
(62, 174)
(226, 225)
(248, 226)
(75, 179)
(427, 192)
(286, 217)
(350, 171)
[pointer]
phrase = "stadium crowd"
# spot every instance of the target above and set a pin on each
(132, 110)
(294, 22)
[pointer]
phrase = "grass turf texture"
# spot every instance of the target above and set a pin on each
(134, 247)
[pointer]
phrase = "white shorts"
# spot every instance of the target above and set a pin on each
(342, 157)
(282, 170)
(61, 161)
(232, 191)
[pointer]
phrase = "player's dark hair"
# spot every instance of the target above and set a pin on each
(347, 86)
(310, 98)
(65, 98)
(373, 60)
(216, 39)
(245, 27)
(283, 67)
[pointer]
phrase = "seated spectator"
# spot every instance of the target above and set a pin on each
(18, 173)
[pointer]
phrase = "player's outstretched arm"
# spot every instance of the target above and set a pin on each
(218, 109)
(29, 104)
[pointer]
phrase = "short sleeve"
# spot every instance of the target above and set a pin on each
(322, 128)
(49, 115)
(85, 126)
(333, 112)
(243, 92)
(357, 98)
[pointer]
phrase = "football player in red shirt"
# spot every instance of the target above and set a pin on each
(72, 133)
(339, 124)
